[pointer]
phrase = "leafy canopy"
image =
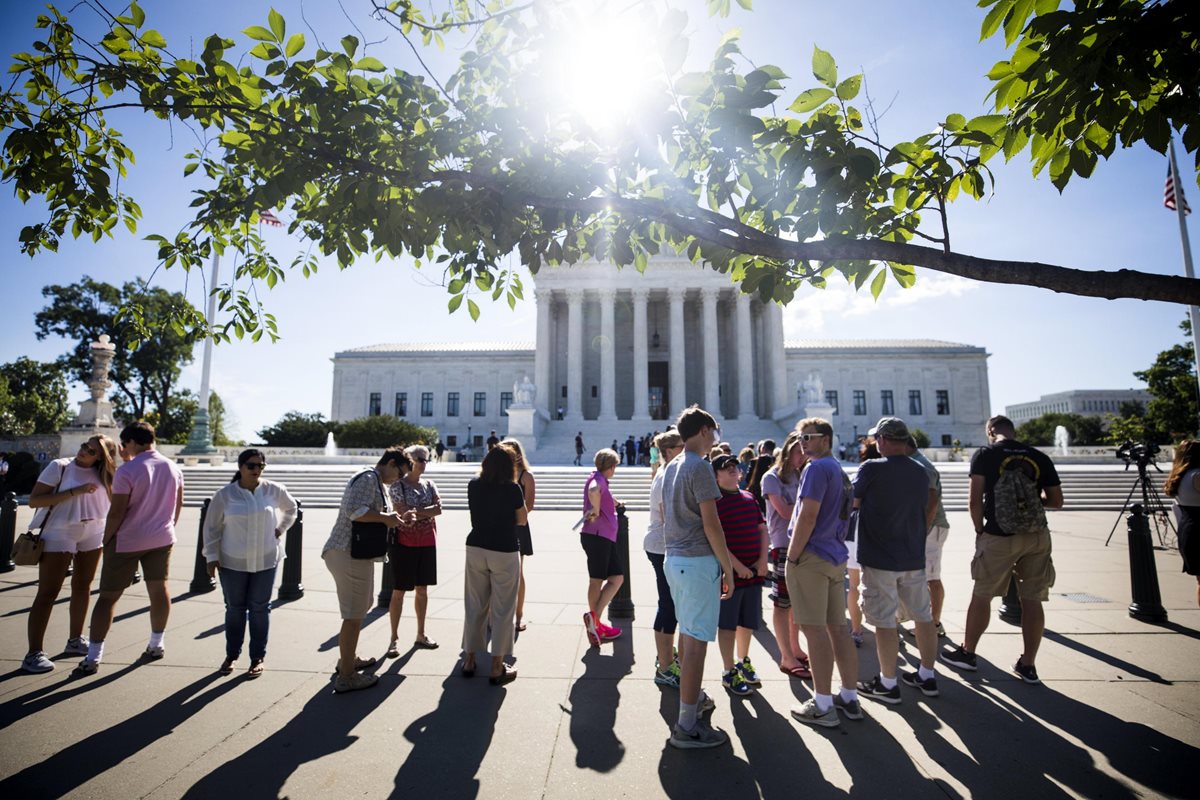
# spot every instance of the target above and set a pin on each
(774, 187)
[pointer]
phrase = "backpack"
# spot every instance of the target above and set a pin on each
(1016, 497)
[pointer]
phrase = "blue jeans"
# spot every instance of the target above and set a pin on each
(247, 594)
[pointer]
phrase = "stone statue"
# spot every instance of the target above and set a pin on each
(813, 389)
(1062, 440)
(95, 414)
(524, 392)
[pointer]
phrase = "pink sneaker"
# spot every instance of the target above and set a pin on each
(607, 633)
(591, 626)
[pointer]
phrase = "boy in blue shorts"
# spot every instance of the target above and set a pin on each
(741, 613)
(697, 568)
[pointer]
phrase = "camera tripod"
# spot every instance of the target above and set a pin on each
(1152, 504)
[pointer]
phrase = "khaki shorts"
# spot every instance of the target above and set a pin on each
(1025, 555)
(117, 570)
(935, 540)
(887, 595)
(355, 581)
(817, 590)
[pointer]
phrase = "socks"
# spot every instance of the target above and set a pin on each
(824, 702)
(925, 674)
(95, 651)
(156, 638)
(848, 695)
(888, 683)
(688, 715)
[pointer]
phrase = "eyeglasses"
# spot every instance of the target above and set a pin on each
(255, 465)
(421, 460)
(808, 437)
(87, 448)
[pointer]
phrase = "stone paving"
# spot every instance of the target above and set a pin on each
(1118, 714)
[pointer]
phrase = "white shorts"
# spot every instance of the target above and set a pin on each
(852, 559)
(888, 595)
(934, 541)
(81, 537)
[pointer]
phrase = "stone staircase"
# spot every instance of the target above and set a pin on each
(1086, 488)
(556, 444)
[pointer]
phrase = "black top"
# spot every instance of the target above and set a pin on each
(891, 519)
(987, 461)
(494, 515)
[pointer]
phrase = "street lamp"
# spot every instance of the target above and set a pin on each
(470, 441)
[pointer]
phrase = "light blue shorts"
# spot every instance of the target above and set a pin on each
(695, 583)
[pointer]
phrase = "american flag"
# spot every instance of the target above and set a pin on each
(1169, 194)
(268, 218)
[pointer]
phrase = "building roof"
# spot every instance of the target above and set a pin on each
(877, 344)
(437, 347)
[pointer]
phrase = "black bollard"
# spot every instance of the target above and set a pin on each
(386, 585)
(201, 583)
(1143, 576)
(1010, 606)
(622, 605)
(8, 530)
(290, 587)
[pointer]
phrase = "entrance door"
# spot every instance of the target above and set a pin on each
(660, 400)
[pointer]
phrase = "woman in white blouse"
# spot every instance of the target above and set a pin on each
(73, 496)
(242, 531)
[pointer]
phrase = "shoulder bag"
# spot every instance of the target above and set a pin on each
(27, 549)
(369, 540)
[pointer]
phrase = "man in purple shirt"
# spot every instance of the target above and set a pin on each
(147, 496)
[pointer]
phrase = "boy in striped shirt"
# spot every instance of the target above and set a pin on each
(741, 613)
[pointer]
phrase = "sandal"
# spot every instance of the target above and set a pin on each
(467, 672)
(393, 650)
(256, 669)
(226, 667)
(359, 664)
(508, 675)
(425, 644)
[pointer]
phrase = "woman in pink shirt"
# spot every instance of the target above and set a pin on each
(599, 541)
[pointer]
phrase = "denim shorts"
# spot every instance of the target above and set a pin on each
(695, 583)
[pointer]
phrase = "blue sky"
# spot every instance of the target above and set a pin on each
(923, 58)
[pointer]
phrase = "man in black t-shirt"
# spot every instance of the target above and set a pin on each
(1003, 475)
(578, 448)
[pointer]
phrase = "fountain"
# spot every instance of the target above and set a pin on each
(330, 445)
(1062, 440)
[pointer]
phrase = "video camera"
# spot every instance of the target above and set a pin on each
(1140, 453)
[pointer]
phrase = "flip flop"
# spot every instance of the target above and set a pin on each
(226, 667)
(425, 644)
(798, 671)
(256, 669)
(521, 626)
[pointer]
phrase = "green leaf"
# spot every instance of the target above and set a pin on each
(455, 302)
(823, 67)
(278, 26)
(294, 45)
(956, 122)
(369, 64)
(153, 39)
(350, 45)
(138, 15)
(988, 123)
(809, 100)
(259, 34)
(877, 284)
(848, 89)
(991, 23)
(234, 139)
(473, 310)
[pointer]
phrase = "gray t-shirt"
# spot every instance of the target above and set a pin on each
(687, 482)
(935, 483)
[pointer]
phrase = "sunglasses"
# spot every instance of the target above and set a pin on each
(255, 465)
(808, 437)
(421, 460)
(87, 448)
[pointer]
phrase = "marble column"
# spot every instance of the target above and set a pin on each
(641, 376)
(544, 403)
(780, 389)
(608, 365)
(574, 355)
(745, 362)
(677, 373)
(712, 366)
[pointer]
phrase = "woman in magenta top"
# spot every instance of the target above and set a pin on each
(599, 540)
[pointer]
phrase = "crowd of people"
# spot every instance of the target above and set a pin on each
(832, 552)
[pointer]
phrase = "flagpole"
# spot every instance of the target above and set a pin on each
(1193, 312)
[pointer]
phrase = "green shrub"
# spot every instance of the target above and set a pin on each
(381, 432)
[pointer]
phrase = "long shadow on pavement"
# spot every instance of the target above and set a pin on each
(595, 696)
(50, 695)
(79, 763)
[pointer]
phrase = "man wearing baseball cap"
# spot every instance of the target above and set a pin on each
(896, 505)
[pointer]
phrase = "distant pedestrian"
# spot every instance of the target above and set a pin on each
(630, 451)
(440, 449)
(598, 537)
(412, 556)
(147, 497)
(560, 413)
(578, 449)
(243, 532)
(492, 440)
(73, 496)
(1183, 483)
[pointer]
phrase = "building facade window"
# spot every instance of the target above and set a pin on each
(831, 399)
(887, 404)
(426, 404)
(401, 404)
(860, 402)
(375, 404)
(506, 399)
(914, 402)
(946, 440)
(943, 402)
(451, 441)
(481, 404)
(452, 404)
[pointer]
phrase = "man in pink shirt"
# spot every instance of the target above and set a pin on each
(147, 496)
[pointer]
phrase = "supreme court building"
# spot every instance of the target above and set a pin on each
(619, 352)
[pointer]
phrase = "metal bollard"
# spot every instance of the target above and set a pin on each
(386, 585)
(8, 530)
(622, 605)
(201, 583)
(290, 587)
(1010, 606)
(1143, 576)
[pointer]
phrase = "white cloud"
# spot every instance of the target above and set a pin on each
(806, 316)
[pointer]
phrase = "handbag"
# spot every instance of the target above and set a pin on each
(369, 540)
(27, 549)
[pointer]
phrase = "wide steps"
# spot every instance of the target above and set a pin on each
(561, 488)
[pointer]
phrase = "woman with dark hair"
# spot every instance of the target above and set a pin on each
(72, 496)
(412, 557)
(1183, 483)
(243, 528)
(528, 486)
(493, 568)
(780, 486)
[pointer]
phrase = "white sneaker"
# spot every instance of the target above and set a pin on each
(36, 663)
(77, 646)
(701, 737)
(809, 714)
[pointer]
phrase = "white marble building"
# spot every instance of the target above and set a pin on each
(619, 352)
(1086, 402)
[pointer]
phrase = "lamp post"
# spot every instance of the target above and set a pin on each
(200, 439)
(470, 441)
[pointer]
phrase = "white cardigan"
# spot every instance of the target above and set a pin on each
(240, 526)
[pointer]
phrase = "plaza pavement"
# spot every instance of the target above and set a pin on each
(1118, 715)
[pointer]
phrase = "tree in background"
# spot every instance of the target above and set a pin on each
(1171, 414)
(176, 425)
(297, 429)
(1082, 430)
(145, 371)
(33, 398)
(921, 437)
(383, 431)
